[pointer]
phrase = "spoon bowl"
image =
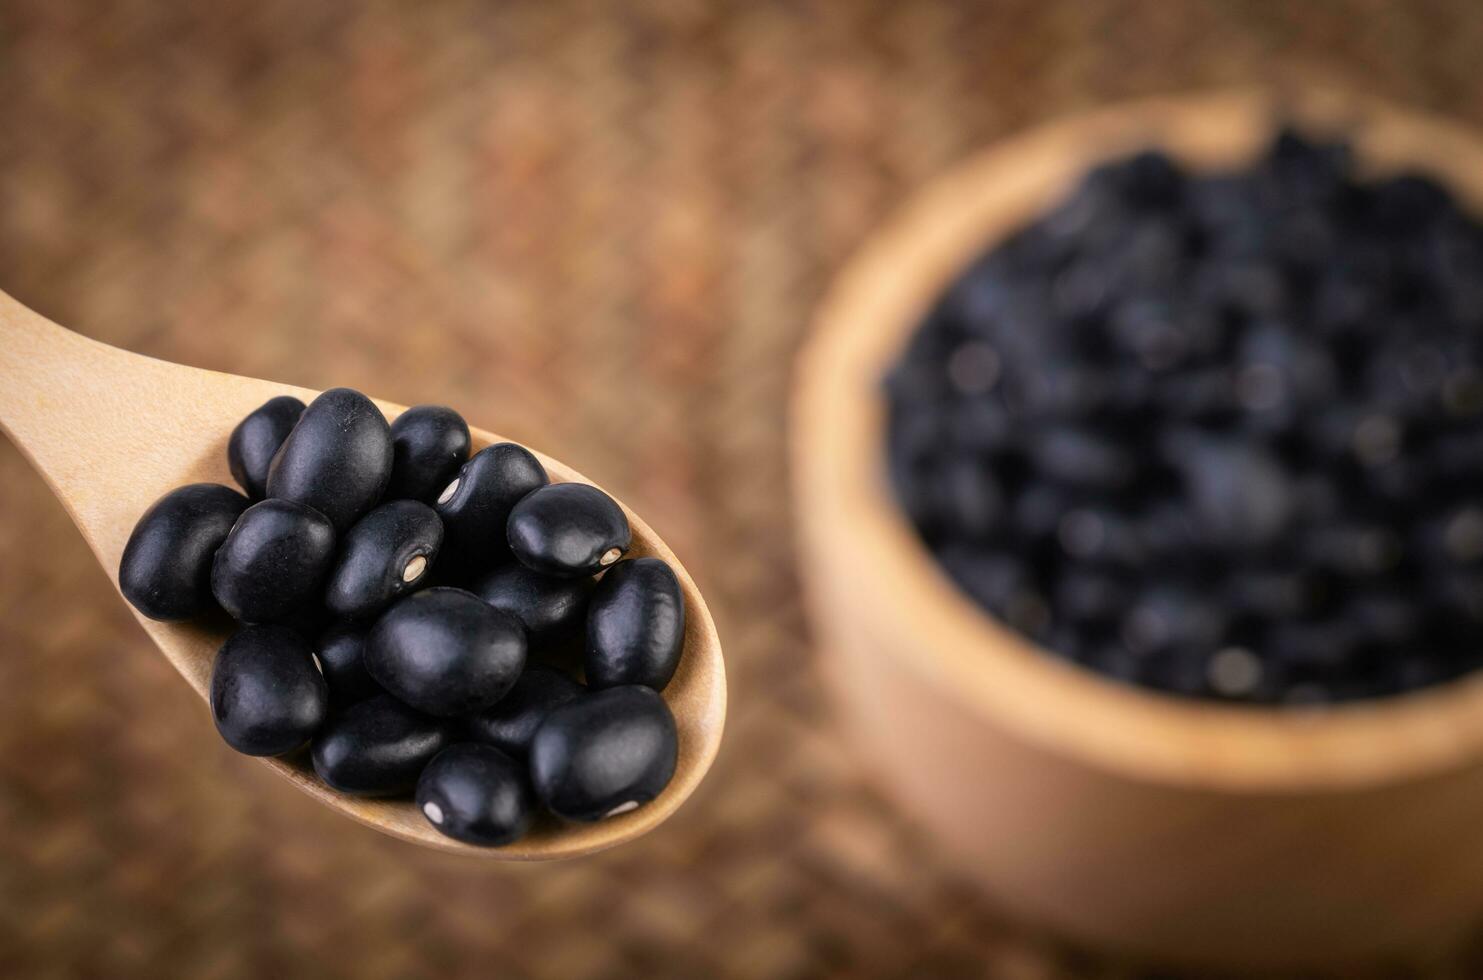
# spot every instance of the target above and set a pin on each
(111, 431)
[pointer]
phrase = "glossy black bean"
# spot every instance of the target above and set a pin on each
(635, 626)
(446, 652)
(165, 571)
(604, 754)
(274, 561)
(385, 555)
(267, 697)
(256, 440)
(511, 724)
(552, 610)
(568, 529)
(337, 459)
(476, 794)
(341, 652)
(376, 747)
(475, 506)
(429, 444)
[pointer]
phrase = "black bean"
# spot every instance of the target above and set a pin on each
(970, 496)
(1352, 549)
(386, 554)
(635, 626)
(165, 571)
(267, 697)
(1407, 202)
(1325, 645)
(1038, 510)
(475, 505)
(1300, 369)
(1097, 535)
(1241, 494)
(511, 724)
(1277, 594)
(1451, 538)
(1383, 616)
(337, 459)
(273, 562)
(995, 581)
(1151, 180)
(978, 427)
(446, 652)
(1199, 396)
(256, 439)
(1461, 595)
(341, 653)
(376, 747)
(1170, 618)
(604, 754)
(476, 794)
(552, 610)
(1169, 531)
(1086, 595)
(429, 445)
(568, 529)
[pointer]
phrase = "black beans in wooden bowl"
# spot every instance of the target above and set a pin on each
(1219, 435)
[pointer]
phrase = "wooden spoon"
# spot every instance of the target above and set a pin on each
(111, 431)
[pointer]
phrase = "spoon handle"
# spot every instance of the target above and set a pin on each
(64, 399)
(108, 429)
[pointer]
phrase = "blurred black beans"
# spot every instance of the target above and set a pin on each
(1218, 435)
(256, 439)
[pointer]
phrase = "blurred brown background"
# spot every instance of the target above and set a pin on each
(597, 228)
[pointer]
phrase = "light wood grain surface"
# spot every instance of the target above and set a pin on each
(597, 228)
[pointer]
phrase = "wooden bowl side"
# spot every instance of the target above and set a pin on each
(1185, 830)
(1182, 875)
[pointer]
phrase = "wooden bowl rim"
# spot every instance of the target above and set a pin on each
(838, 444)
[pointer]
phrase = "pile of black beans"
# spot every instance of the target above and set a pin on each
(416, 617)
(1217, 435)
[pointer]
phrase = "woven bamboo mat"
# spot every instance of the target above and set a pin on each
(600, 229)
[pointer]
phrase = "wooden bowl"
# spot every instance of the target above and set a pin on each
(1181, 830)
